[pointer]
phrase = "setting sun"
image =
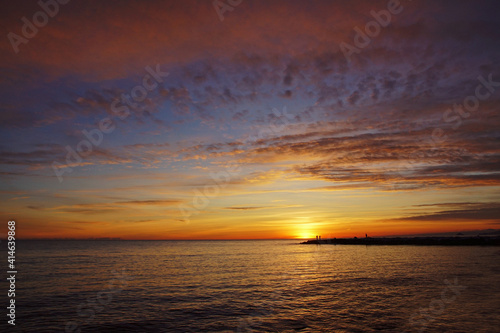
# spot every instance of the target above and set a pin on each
(305, 235)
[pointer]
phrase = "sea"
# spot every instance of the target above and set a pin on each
(251, 286)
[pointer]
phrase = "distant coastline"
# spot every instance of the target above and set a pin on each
(446, 241)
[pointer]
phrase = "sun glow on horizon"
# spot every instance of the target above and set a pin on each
(305, 233)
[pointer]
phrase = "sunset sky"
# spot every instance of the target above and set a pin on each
(266, 125)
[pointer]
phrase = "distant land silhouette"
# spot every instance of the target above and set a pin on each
(463, 233)
(453, 241)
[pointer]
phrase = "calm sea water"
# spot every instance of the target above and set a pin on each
(254, 286)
